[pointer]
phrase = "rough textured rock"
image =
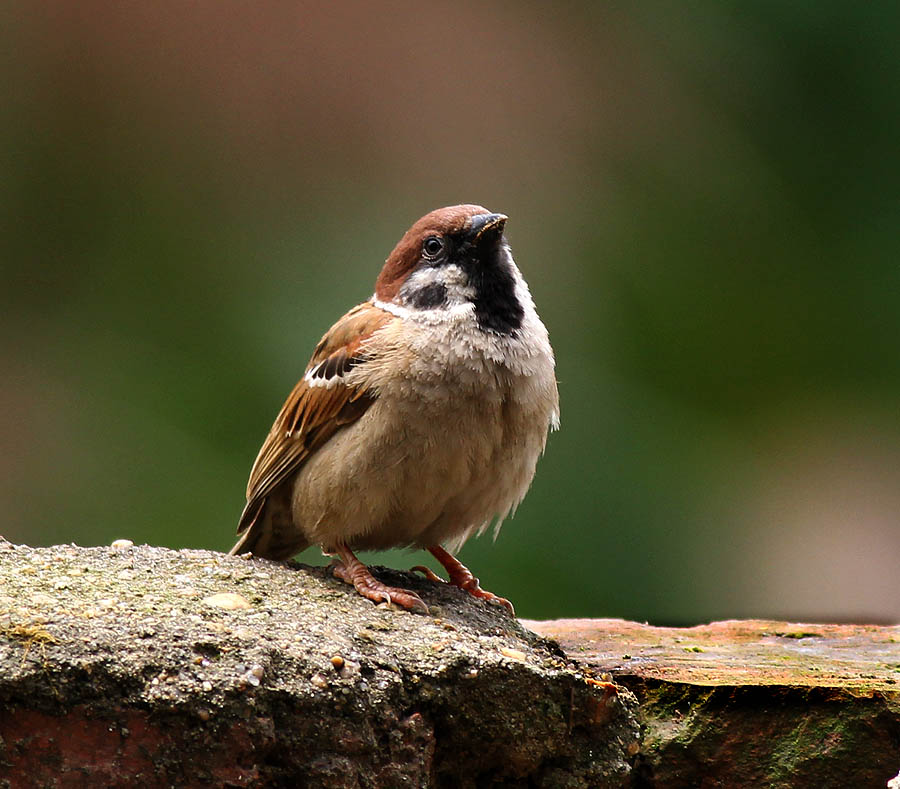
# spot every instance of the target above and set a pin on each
(753, 703)
(140, 666)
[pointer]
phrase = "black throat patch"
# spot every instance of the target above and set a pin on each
(496, 306)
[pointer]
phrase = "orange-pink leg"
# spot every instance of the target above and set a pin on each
(461, 576)
(352, 571)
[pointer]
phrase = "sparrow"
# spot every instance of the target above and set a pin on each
(420, 417)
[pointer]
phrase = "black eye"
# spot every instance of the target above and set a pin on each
(433, 246)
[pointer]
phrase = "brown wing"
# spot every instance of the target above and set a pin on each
(313, 411)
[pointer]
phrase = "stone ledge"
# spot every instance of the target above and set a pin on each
(141, 666)
(752, 703)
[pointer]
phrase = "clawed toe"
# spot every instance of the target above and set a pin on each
(461, 576)
(474, 589)
(492, 598)
(428, 573)
(352, 571)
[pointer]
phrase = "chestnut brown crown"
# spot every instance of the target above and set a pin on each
(407, 255)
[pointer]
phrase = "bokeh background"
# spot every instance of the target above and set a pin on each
(704, 198)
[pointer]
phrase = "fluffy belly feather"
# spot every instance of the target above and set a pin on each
(393, 478)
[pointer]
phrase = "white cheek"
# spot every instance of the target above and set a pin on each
(452, 277)
(459, 291)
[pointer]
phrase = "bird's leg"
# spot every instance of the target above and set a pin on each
(352, 571)
(461, 576)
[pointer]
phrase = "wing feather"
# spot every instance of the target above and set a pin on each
(313, 412)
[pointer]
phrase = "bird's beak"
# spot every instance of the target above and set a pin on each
(485, 226)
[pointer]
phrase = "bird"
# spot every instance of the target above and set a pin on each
(420, 417)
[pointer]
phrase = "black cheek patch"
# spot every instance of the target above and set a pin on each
(429, 296)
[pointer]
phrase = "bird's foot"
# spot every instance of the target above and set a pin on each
(352, 571)
(461, 576)
(428, 573)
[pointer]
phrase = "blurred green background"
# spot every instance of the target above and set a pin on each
(704, 198)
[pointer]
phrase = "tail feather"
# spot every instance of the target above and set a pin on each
(268, 531)
(248, 536)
